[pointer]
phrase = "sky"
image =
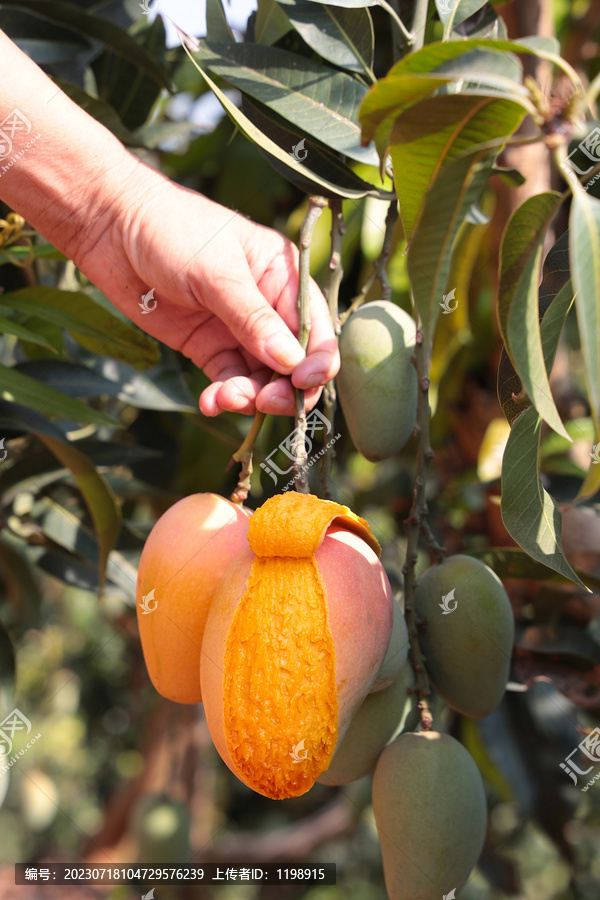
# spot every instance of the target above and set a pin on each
(190, 15)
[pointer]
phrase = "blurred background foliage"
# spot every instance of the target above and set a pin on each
(102, 434)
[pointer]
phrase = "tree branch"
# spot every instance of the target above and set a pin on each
(380, 266)
(315, 208)
(332, 291)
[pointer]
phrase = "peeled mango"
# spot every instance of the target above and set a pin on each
(380, 717)
(295, 636)
(430, 809)
(468, 649)
(377, 384)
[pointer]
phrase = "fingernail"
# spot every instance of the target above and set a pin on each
(276, 405)
(239, 401)
(315, 378)
(284, 350)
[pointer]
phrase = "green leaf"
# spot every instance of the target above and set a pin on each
(254, 134)
(162, 387)
(45, 43)
(96, 28)
(127, 87)
(271, 23)
(19, 256)
(530, 514)
(71, 379)
(454, 12)
(21, 389)
(99, 498)
(324, 164)
(217, 26)
(66, 529)
(320, 101)
(91, 325)
(430, 253)
(7, 326)
(99, 110)
(584, 253)
(518, 304)
(341, 36)
(425, 137)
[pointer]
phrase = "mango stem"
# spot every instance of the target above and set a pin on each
(417, 523)
(379, 272)
(315, 208)
(332, 291)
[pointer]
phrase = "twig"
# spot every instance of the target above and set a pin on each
(244, 455)
(379, 269)
(419, 24)
(332, 291)
(417, 522)
(315, 208)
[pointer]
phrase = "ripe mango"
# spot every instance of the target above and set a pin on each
(295, 635)
(467, 651)
(380, 717)
(397, 652)
(430, 809)
(377, 384)
(184, 558)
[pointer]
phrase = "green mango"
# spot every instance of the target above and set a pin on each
(430, 809)
(397, 652)
(379, 718)
(468, 638)
(377, 383)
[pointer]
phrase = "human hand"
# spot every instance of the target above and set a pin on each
(226, 292)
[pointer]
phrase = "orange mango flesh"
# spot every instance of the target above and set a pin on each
(278, 674)
(270, 708)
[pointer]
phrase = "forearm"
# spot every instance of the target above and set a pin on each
(61, 170)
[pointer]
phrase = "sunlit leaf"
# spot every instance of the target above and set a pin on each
(430, 253)
(518, 302)
(320, 101)
(254, 134)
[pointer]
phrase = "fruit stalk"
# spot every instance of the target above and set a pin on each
(244, 456)
(332, 290)
(380, 267)
(417, 522)
(315, 208)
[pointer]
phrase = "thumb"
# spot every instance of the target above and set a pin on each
(237, 301)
